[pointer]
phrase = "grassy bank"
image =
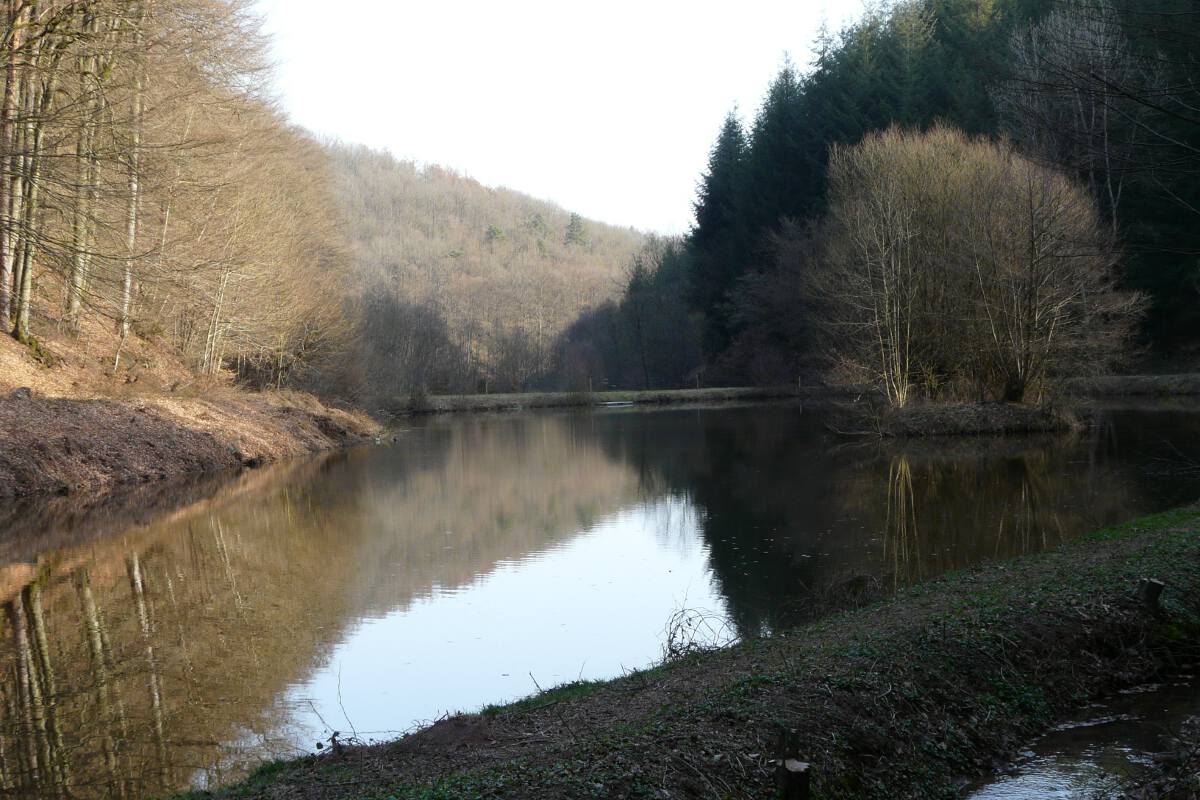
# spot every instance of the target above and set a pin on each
(446, 404)
(1136, 385)
(974, 419)
(906, 698)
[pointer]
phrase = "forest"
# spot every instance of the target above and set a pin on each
(152, 190)
(463, 287)
(955, 198)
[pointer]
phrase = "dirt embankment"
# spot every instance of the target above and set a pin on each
(975, 419)
(63, 445)
(905, 699)
(932, 419)
(68, 424)
(1183, 384)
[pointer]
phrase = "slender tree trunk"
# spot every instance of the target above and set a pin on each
(135, 166)
(87, 177)
(40, 103)
(22, 167)
(33, 219)
(17, 17)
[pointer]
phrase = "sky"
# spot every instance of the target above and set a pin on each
(606, 108)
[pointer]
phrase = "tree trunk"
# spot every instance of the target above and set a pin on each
(135, 165)
(88, 178)
(17, 17)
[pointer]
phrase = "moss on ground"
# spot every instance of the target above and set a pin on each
(905, 698)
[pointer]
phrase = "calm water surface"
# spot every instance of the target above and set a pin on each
(146, 650)
(1104, 750)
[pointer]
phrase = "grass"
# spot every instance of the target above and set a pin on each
(903, 698)
(1136, 385)
(444, 404)
(556, 694)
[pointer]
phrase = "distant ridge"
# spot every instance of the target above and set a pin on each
(487, 259)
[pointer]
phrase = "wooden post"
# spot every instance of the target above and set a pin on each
(792, 779)
(1149, 591)
(792, 776)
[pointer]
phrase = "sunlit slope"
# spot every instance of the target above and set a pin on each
(486, 258)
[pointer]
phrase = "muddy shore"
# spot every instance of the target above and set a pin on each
(52, 445)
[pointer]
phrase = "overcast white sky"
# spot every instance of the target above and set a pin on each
(607, 108)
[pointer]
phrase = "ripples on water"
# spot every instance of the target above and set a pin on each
(368, 591)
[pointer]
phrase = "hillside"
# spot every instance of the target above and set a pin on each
(503, 270)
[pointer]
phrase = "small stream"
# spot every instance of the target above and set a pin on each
(1105, 746)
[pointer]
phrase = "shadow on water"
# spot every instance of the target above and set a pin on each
(793, 514)
(147, 648)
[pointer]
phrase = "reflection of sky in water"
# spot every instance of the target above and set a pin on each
(588, 608)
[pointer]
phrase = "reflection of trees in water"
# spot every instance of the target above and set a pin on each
(993, 499)
(903, 532)
(131, 663)
(797, 521)
(503, 489)
(127, 708)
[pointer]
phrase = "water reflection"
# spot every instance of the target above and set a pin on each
(372, 589)
(1102, 754)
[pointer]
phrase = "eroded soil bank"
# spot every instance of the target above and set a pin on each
(70, 422)
(976, 419)
(64, 445)
(908, 698)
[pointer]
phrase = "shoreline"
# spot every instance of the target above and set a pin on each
(910, 697)
(524, 401)
(1174, 385)
(66, 445)
(56, 446)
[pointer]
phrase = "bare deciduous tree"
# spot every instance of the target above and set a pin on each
(949, 265)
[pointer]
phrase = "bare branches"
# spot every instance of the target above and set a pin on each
(147, 176)
(954, 266)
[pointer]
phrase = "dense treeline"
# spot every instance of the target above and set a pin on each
(1102, 94)
(644, 339)
(148, 186)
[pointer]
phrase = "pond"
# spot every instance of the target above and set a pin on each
(174, 637)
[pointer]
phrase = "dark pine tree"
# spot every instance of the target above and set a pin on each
(783, 163)
(717, 240)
